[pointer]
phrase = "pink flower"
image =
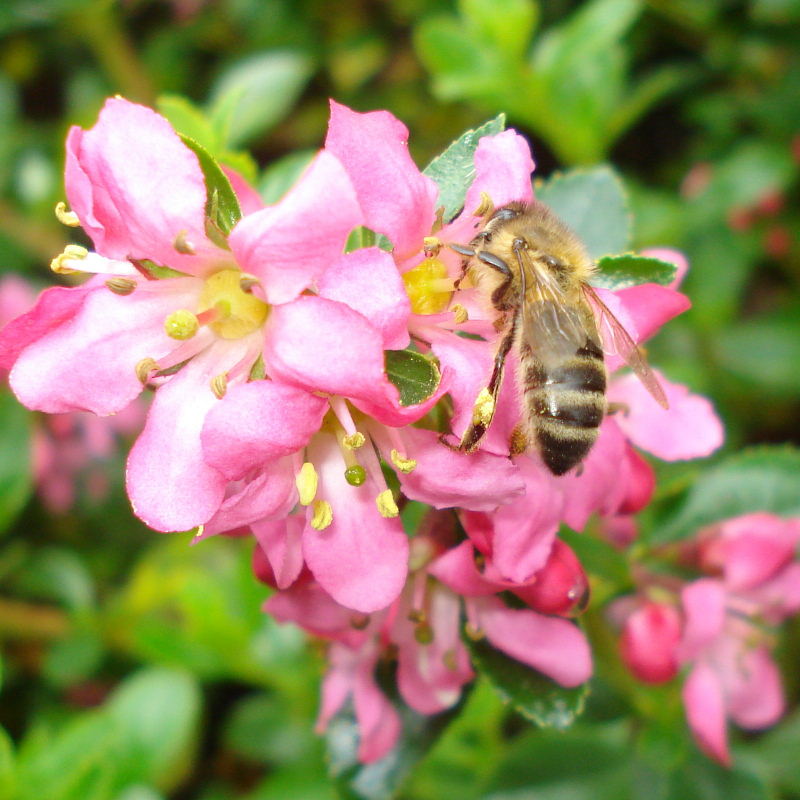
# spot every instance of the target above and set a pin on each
(649, 642)
(140, 194)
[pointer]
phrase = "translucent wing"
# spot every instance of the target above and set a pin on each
(555, 326)
(626, 348)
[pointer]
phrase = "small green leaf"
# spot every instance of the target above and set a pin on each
(258, 91)
(188, 120)
(281, 175)
(533, 695)
(454, 170)
(620, 272)
(593, 203)
(222, 206)
(7, 779)
(15, 465)
(758, 479)
(416, 376)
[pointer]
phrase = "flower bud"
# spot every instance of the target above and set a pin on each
(649, 642)
(561, 586)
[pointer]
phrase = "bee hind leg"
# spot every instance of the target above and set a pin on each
(617, 408)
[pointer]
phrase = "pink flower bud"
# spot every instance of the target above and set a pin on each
(649, 641)
(561, 586)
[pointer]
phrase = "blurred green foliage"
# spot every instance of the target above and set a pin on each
(137, 667)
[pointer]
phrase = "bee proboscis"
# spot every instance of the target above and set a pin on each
(534, 272)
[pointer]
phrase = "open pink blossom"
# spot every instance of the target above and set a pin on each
(140, 194)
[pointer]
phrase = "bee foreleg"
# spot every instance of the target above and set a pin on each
(616, 408)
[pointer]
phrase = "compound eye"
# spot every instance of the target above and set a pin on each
(505, 214)
(552, 261)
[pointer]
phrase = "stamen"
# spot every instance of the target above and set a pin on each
(386, 504)
(417, 615)
(323, 515)
(460, 313)
(121, 286)
(306, 481)
(145, 367)
(247, 282)
(483, 409)
(431, 245)
(71, 251)
(359, 621)
(342, 413)
(184, 245)
(69, 218)
(485, 207)
(219, 385)
(181, 324)
(352, 441)
(355, 475)
(449, 660)
(423, 633)
(438, 222)
(476, 634)
(405, 465)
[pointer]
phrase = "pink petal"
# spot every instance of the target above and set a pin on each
(170, 485)
(271, 493)
(337, 685)
(445, 478)
(17, 297)
(690, 428)
(289, 245)
(88, 362)
(780, 596)
(367, 280)
(548, 644)
(398, 200)
(456, 569)
(705, 712)
(503, 167)
(258, 422)
(308, 605)
(704, 612)
(135, 186)
(249, 199)
(53, 308)
(522, 532)
(641, 484)
(604, 481)
(650, 640)
(378, 722)
(281, 541)
(361, 558)
(754, 690)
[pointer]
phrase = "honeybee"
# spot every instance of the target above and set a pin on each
(535, 272)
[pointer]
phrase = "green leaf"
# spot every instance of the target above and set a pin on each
(503, 24)
(156, 714)
(620, 272)
(258, 91)
(454, 170)
(7, 770)
(15, 460)
(188, 120)
(416, 376)
(758, 479)
(593, 203)
(222, 205)
(533, 695)
(73, 659)
(702, 779)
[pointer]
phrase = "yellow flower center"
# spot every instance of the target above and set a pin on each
(428, 286)
(237, 312)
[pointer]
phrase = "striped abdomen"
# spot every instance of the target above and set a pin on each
(565, 405)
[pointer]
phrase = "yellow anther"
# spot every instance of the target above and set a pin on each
(145, 367)
(306, 481)
(352, 441)
(405, 465)
(181, 324)
(122, 286)
(423, 633)
(247, 282)
(72, 252)
(431, 245)
(449, 660)
(386, 504)
(485, 208)
(69, 218)
(323, 515)
(460, 313)
(359, 621)
(483, 410)
(417, 615)
(183, 245)
(219, 385)
(476, 634)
